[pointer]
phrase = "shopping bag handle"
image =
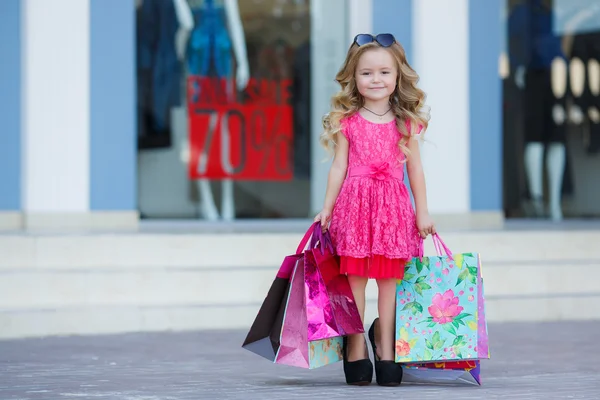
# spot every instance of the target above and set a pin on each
(306, 238)
(440, 247)
(321, 238)
(317, 239)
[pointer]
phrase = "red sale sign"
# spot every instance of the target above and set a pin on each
(249, 139)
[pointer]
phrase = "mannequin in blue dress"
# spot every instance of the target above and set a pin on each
(217, 44)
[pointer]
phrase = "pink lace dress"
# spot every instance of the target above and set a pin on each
(373, 225)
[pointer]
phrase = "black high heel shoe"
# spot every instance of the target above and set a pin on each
(388, 372)
(360, 372)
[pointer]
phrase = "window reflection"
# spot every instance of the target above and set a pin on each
(223, 108)
(551, 103)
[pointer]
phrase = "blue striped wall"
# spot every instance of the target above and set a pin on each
(113, 176)
(485, 97)
(10, 105)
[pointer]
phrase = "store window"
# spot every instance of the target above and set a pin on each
(551, 109)
(224, 110)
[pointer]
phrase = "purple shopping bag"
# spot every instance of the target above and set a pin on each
(443, 372)
(321, 257)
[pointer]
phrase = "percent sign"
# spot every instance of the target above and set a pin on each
(267, 141)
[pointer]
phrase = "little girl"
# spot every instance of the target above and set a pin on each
(372, 130)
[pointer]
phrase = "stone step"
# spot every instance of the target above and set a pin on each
(142, 250)
(109, 283)
(222, 287)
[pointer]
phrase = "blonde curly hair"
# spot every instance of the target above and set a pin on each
(407, 102)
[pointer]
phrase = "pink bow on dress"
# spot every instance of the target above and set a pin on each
(381, 171)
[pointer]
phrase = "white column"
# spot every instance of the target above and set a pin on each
(329, 43)
(441, 57)
(55, 87)
(361, 18)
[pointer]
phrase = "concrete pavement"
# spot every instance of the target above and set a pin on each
(529, 361)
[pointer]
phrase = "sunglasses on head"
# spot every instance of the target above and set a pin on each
(384, 39)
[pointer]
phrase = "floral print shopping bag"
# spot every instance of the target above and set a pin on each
(440, 311)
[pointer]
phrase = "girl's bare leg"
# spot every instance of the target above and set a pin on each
(356, 343)
(386, 303)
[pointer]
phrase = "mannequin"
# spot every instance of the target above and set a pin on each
(541, 72)
(203, 60)
(585, 65)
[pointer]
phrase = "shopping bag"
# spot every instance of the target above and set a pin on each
(440, 310)
(302, 319)
(443, 372)
(306, 313)
(320, 254)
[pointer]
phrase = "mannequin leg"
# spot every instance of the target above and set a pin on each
(534, 159)
(555, 165)
(207, 202)
(227, 200)
(556, 156)
(537, 112)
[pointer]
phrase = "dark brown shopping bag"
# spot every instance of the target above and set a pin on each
(264, 335)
